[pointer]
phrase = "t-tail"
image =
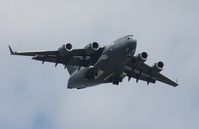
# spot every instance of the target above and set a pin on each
(71, 69)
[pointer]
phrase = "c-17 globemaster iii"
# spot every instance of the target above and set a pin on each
(96, 64)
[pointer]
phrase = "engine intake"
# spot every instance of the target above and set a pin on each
(159, 66)
(63, 51)
(92, 48)
(95, 46)
(142, 57)
(68, 46)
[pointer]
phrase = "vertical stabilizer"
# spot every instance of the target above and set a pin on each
(71, 69)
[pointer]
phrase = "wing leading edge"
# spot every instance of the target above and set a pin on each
(32, 53)
(75, 57)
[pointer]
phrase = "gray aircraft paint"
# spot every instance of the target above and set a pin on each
(97, 64)
(112, 61)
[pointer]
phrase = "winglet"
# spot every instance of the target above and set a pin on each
(176, 83)
(11, 51)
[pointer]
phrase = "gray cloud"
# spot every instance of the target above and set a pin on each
(33, 95)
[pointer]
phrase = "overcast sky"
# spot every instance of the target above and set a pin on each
(34, 96)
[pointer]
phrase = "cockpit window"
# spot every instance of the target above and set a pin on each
(128, 36)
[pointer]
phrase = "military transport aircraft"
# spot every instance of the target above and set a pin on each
(96, 64)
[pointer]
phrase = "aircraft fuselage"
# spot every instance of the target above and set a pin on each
(96, 64)
(110, 65)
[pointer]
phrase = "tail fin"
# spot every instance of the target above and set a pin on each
(71, 69)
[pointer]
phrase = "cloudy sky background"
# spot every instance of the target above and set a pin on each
(34, 96)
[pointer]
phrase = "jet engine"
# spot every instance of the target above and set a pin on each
(142, 57)
(91, 48)
(158, 66)
(65, 49)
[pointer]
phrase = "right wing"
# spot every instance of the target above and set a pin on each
(75, 57)
(142, 71)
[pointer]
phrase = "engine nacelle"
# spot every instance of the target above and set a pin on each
(92, 48)
(142, 57)
(159, 66)
(65, 49)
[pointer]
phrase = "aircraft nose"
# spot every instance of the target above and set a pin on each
(133, 43)
(132, 39)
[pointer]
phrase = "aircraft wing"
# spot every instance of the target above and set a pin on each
(75, 57)
(142, 71)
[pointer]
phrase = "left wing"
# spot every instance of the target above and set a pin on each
(75, 57)
(32, 53)
(141, 71)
